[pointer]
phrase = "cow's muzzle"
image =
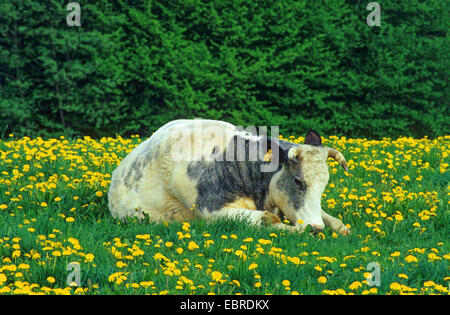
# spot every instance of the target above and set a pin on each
(316, 229)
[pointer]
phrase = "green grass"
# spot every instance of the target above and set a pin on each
(406, 236)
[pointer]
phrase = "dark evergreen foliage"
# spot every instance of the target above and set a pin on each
(133, 66)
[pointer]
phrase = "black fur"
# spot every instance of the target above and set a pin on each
(222, 181)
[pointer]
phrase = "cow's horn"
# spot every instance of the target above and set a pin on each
(293, 154)
(335, 154)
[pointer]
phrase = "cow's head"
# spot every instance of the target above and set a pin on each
(296, 189)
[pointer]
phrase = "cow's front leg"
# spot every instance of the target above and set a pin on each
(256, 217)
(335, 224)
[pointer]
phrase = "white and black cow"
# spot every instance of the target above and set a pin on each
(207, 169)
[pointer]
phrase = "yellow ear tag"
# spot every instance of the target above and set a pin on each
(268, 156)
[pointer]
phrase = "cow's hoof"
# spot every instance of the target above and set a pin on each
(285, 227)
(344, 231)
(293, 229)
(270, 218)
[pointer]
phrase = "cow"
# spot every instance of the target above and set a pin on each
(196, 168)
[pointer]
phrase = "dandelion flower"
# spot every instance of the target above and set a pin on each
(89, 257)
(216, 275)
(121, 264)
(192, 245)
(410, 259)
(395, 286)
(252, 266)
(355, 285)
(322, 279)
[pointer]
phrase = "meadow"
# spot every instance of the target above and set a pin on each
(54, 215)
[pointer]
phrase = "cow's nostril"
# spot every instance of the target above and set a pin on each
(316, 228)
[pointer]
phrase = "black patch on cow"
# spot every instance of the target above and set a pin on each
(134, 173)
(136, 169)
(214, 152)
(286, 184)
(237, 175)
(278, 146)
(150, 151)
(221, 182)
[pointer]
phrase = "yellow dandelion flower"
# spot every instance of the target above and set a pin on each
(89, 257)
(322, 279)
(395, 286)
(252, 266)
(411, 259)
(192, 245)
(216, 275)
(355, 285)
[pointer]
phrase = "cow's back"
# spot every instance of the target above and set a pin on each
(153, 178)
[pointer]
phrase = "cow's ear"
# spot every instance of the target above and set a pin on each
(313, 138)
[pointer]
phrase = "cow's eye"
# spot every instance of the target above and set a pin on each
(300, 184)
